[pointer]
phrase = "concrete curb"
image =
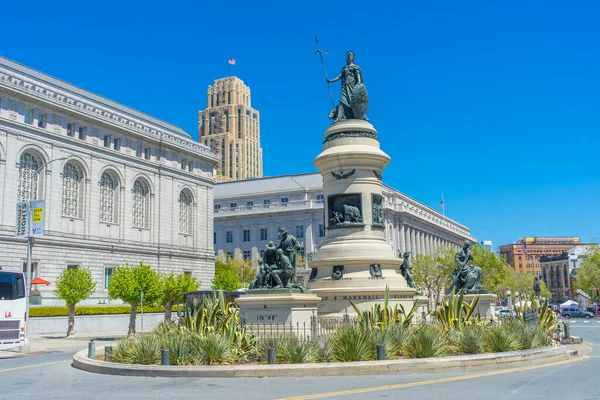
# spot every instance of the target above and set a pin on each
(413, 366)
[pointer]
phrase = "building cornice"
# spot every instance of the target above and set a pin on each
(16, 83)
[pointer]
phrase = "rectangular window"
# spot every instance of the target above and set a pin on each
(138, 150)
(320, 197)
(284, 200)
(70, 129)
(187, 273)
(72, 266)
(246, 254)
(228, 237)
(246, 235)
(29, 117)
(82, 132)
(247, 113)
(183, 163)
(42, 119)
(266, 202)
(230, 254)
(300, 231)
(228, 97)
(34, 269)
(117, 144)
(321, 230)
(226, 122)
(107, 141)
(147, 153)
(191, 166)
(214, 237)
(263, 233)
(233, 205)
(249, 203)
(108, 271)
(262, 254)
(217, 206)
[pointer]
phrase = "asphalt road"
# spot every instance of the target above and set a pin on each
(50, 376)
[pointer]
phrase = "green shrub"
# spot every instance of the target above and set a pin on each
(179, 348)
(426, 341)
(471, 340)
(500, 339)
(62, 311)
(324, 348)
(295, 351)
(393, 338)
(349, 343)
(210, 349)
(121, 352)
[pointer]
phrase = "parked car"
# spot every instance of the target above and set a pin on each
(505, 312)
(576, 313)
(595, 311)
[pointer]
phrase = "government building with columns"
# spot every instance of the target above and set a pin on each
(248, 214)
(119, 185)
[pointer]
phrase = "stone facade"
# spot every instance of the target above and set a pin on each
(248, 214)
(231, 127)
(557, 276)
(536, 248)
(120, 186)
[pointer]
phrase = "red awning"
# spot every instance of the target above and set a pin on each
(39, 281)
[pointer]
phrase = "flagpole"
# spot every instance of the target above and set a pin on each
(443, 206)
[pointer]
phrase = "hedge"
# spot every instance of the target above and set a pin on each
(62, 311)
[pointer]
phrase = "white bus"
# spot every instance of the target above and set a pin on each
(13, 309)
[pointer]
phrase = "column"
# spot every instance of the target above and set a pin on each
(413, 242)
(402, 238)
(422, 241)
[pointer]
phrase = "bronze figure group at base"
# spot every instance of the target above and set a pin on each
(277, 268)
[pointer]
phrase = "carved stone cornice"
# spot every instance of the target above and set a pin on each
(54, 96)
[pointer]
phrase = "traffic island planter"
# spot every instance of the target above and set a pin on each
(466, 363)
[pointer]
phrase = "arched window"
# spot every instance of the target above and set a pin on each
(28, 188)
(185, 212)
(71, 190)
(108, 197)
(140, 204)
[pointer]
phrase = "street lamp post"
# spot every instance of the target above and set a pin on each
(30, 238)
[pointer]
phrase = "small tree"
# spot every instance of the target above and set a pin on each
(73, 286)
(174, 287)
(225, 277)
(129, 282)
(588, 275)
(432, 274)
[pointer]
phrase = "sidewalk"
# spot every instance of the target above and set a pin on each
(54, 343)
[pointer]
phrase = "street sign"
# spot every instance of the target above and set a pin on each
(38, 210)
(22, 227)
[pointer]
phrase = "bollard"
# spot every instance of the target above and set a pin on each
(380, 352)
(92, 349)
(108, 353)
(272, 356)
(164, 357)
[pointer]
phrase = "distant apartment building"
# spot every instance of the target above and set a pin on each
(558, 276)
(524, 254)
(231, 128)
(249, 213)
(487, 244)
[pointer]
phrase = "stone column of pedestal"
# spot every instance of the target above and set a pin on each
(355, 261)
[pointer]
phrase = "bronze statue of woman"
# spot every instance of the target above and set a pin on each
(353, 97)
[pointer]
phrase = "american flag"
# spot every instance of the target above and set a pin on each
(231, 61)
(524, 248)
(442, 203)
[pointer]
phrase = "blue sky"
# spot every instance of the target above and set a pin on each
(495, 103)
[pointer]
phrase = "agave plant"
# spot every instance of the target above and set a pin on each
(210, 349)
(455, 313)
(500, 339)
(426, 341)
(215, 315)
(292, 350)
(471, 340)
(380, 316)
(146, 349)
(352, 343)
(547, 319)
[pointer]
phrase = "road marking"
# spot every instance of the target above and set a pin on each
(34, 365)
(432, 381)
(586, 322)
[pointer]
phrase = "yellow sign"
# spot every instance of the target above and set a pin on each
(37, 214)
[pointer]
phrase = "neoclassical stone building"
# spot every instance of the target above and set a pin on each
(248, 214)
(120, 186)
